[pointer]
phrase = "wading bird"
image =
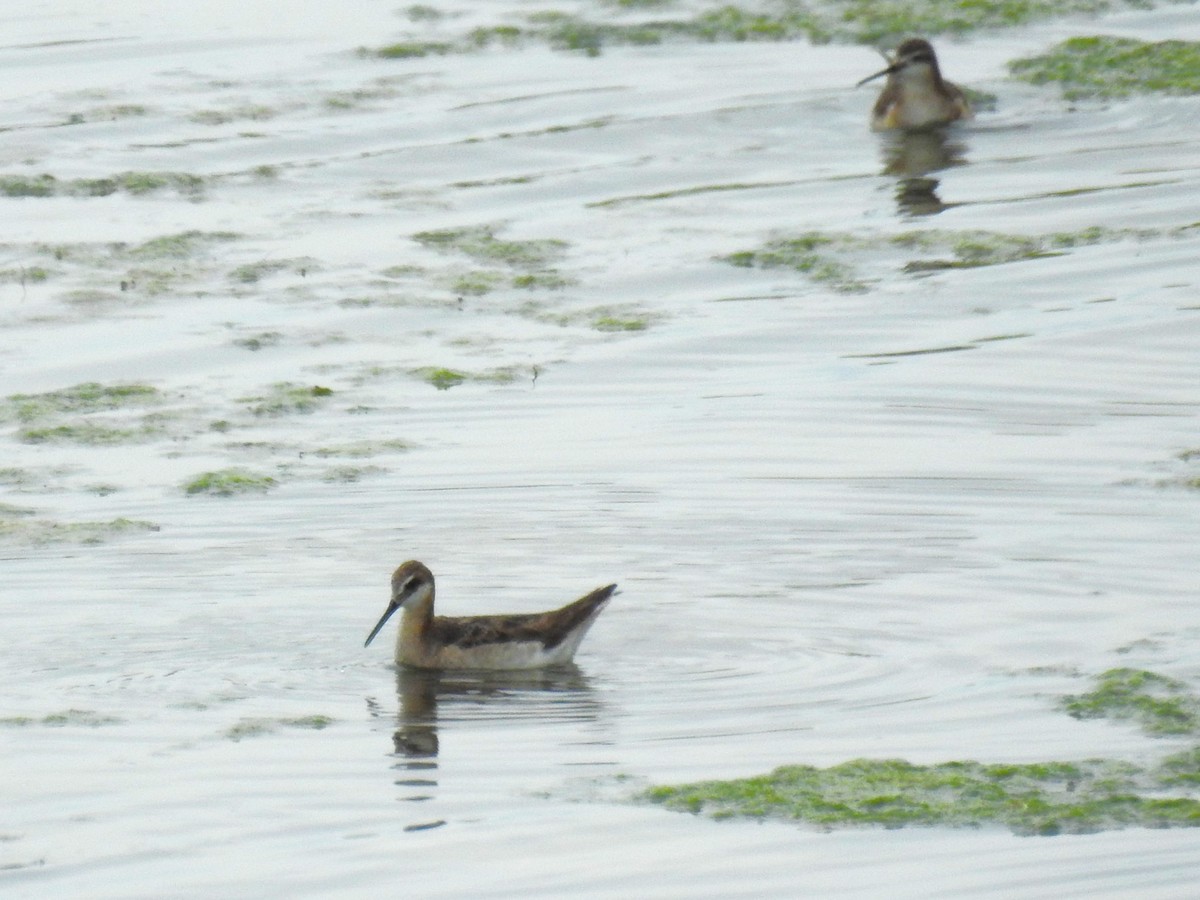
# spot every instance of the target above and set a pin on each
(916, 95)
(522, 641)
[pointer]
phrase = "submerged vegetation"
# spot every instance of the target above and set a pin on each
(91, 433)
(620, 323)
(362, 449)
(809, 254)
(1158, 704)
(85, 717)
(108, 272)
(183, 245)
(23, 525)
(1032, 798)
(285, 398)
(90, 414)
(1106, 67)
(135, 183)
(481, 243)
(443, 379)
(641, 22)
(833, 259)
(89, 397)
(1041, 798)
(229, 482)
(258, 727)
(530, 259)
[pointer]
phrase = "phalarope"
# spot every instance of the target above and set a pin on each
(916, 95)
(523, 641)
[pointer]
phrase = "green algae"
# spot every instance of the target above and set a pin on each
(486, 36)
(88, 397)
(36, 531)
(607, 318)
(834, 259)
(541, 281)
(138, 183)
(481, 244)
(615, 323)
(87, 433)
(25, 274)
(1160, 705)
(1180, 769)
(249, 728)
(872, 21)
(18, 477)
(1111, 67)
(259, 341)
(420, 12)
(229, 482)
(403, 271)
(183, 245)
(356, 99)
(362, 449)
(349, 474)
(286, 398)
(252, 113)
(477, 283)
(314, 722)
(260, 726)
(9, 511)
(649, 22)
(1040, 798)
(531, 259)
(28, 185)
(805, 254)
(85, 717)
(118, 111)
(148, 268)
(443, 378)
(413, 50)
(563, 32)
(135, 183)
(1029, 798)
(249, 273)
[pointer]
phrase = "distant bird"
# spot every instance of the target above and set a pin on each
(916, 95)
(523, 641)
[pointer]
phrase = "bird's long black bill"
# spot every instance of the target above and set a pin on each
(888, 71)
(392, 607)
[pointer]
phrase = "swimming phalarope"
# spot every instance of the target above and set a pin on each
(916, 95)
(523, 641)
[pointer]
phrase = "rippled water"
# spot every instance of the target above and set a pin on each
(896, 522)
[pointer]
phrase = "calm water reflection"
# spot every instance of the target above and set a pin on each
(914, 156)
(428, 701)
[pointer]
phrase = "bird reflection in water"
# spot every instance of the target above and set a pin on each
(914, 155)
(428, 698)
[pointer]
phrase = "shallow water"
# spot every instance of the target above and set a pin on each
(895, 522)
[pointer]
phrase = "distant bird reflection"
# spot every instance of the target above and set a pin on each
(914, 156)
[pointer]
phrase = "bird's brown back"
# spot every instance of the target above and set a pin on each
(549, 628)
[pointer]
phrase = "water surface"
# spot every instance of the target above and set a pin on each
(897, 521)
